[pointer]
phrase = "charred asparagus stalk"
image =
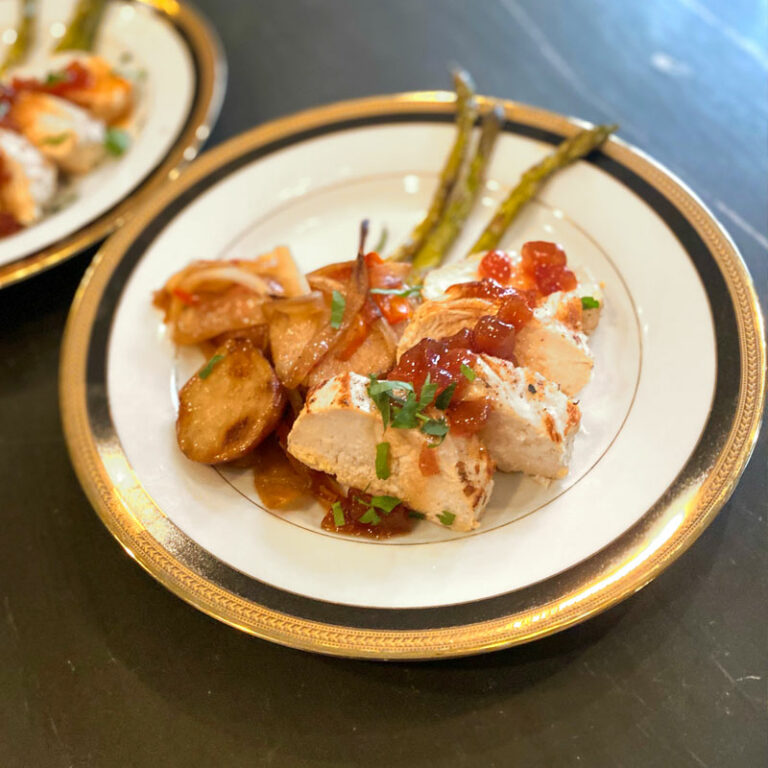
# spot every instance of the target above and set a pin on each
(463, 198)
(531, 181)
(24, 36)
(466, 114)
(82, 28)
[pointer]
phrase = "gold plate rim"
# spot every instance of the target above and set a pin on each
(617, 571)
(212, 77)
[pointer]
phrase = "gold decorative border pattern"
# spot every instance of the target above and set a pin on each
(622, 568)
(210, 93)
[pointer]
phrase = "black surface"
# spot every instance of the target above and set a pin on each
(100, 666)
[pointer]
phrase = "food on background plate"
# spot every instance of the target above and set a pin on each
(392, 391)
(57, 127)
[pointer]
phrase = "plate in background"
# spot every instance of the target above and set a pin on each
(669, 419)
(182, 86)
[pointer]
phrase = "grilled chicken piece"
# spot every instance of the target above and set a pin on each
(28, 180)
(544, 344)
(337, 432)
(563, 306)
(108, 96)
(531, 425)
(566, 307)
(62, 131)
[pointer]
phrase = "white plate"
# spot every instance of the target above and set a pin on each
(543, 557)
(178, 98)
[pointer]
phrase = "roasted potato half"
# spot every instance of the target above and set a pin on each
(230, 405)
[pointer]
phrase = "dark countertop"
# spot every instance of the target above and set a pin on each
(100, 666)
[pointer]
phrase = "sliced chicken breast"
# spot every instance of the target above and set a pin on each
(544, 344)
(29, 180)
(338, 430)
(66, 134)
(564, 306)
(531, 424)
(108, 96)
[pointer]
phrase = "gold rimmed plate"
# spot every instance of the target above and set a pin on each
(669, 419)
(180, 71)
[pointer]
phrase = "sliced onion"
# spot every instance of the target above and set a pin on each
(328, 337)
(388, 334)
(226, 274)
(298, 305)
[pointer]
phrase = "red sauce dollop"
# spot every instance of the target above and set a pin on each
(469, 416)
(73, 77)
(545, 263)
(496, 265)
(355, 505)
(428, 464)
(441, 360)
(493, 336)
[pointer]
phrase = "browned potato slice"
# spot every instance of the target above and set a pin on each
(375, 355)
(257, 334)
(289, 334)
(234, 309)
(280, 266)
(230, 405)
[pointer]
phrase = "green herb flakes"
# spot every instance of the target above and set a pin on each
(338, 514)
(468, 373)
(589, 302)
(338, 304)
(55, 139)
(443, 400)
(117, 141)
(209, 366)
(382, 461)
(385, 503)
(370, 517)
(446, 518)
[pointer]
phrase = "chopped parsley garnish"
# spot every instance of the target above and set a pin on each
(382, 393)
(446, 518)
(427, 394)
(338, 514)
(56, 77)
(405, 416)
(405, 291)
(209, 366)
(382, 461)
(385, 503)
(56, 139)
(370, 517)
(467, 372)
(117, 141)
(417, 515)
(338, 304)
(408, 412)
(589, 302)
(435, 428)
(443, 400)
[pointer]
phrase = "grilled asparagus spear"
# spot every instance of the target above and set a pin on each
(462, 199)
(530, 182)
(466, 114)
(24, 36)
(83, 26)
